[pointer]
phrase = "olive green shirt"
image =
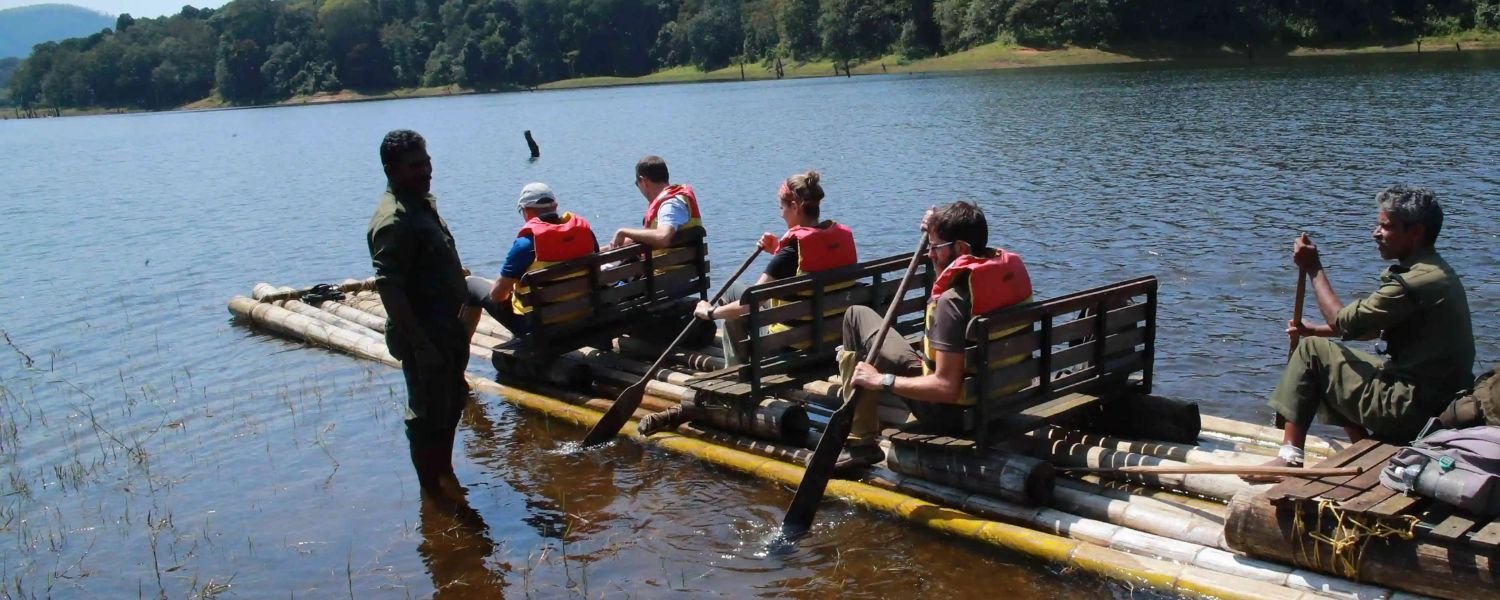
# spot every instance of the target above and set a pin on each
(412, 249)
(1422, 313)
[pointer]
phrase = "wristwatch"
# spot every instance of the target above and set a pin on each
(888, 381)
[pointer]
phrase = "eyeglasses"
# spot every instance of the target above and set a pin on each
(931, 250)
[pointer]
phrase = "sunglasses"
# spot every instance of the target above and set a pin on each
(931, 250)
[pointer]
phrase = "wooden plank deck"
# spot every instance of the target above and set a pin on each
(1364, 494)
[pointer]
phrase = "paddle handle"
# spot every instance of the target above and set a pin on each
(1297, 309)
(1222, 470)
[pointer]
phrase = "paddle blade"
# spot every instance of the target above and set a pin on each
(804, 506)
(619, 413)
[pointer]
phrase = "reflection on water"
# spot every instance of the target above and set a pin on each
(152, 447)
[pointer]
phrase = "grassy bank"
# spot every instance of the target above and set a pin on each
(991, 56)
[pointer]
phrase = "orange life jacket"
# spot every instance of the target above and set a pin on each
(673, 191)
(822, 248)
(567, 239)
(993, 282)
(552, 243)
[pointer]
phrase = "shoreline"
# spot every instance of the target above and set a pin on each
(994, 56)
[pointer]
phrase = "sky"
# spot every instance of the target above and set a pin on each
(136, 8)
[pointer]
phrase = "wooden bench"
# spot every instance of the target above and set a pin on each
(795, 324)
(587, 300)
(1033, 364)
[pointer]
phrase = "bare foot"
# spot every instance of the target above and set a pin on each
(1275, 462)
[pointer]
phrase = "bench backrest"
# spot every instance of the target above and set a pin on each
(1088, 342)
(802, 316)
(583, 295)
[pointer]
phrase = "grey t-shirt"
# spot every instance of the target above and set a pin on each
(949, 320)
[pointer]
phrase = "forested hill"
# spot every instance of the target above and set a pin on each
(23, 27)
(253, 51)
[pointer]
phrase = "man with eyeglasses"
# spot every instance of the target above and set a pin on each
(546, 238)
(973, 279)
(672, 208)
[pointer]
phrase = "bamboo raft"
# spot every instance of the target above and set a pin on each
(1164, 531)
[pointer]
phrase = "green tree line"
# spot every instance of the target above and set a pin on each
(256, 51)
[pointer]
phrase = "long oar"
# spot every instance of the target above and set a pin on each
(804, 506)
(1220, 470)
(1297, 309)
(619, 413)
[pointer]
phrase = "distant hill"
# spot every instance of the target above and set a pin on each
(26, 26)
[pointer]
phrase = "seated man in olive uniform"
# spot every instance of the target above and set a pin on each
(1421, 315)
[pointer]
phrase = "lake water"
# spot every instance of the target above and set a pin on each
(153, 446)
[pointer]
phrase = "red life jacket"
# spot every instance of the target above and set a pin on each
(995, 282)
(553, 243)
(673, 191)
(567, 239)
(822, 248)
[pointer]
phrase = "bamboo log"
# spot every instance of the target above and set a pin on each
(264, 292)
(326, 317)
(1159, 518)
(353, 314)
(1066, 454)
(1157, 574)
(1268, 435)
(288, 323)
(772, 419)
(1426, 565)
(708, 358)
(1223, 470)
(1213, 562)
(1167, 450)
(1134, 493)
(1011, 477)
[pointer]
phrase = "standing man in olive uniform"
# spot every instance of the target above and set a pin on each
(421, 283)
(1420, 313)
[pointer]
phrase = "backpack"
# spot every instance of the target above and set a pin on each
(1460, 467)
(1480, 407)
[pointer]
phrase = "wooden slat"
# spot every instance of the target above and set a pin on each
(805, 283)
(1453, 527)
(1488, 536)
(1343, 488)
(1293, 487)
(1042, 414)
(1395, 505)
(1121, 318)
(1369, 499)
(767, 345)
(1016, 315)
(1077, 330)
(1021, 373)
(550, 292)
(1020, 343)
(802, 308)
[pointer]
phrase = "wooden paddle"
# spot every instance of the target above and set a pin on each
(619, 412)
(804, 506)
(1221, 470)
(1297, 310)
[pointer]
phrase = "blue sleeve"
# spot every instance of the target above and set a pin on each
(522, 254)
